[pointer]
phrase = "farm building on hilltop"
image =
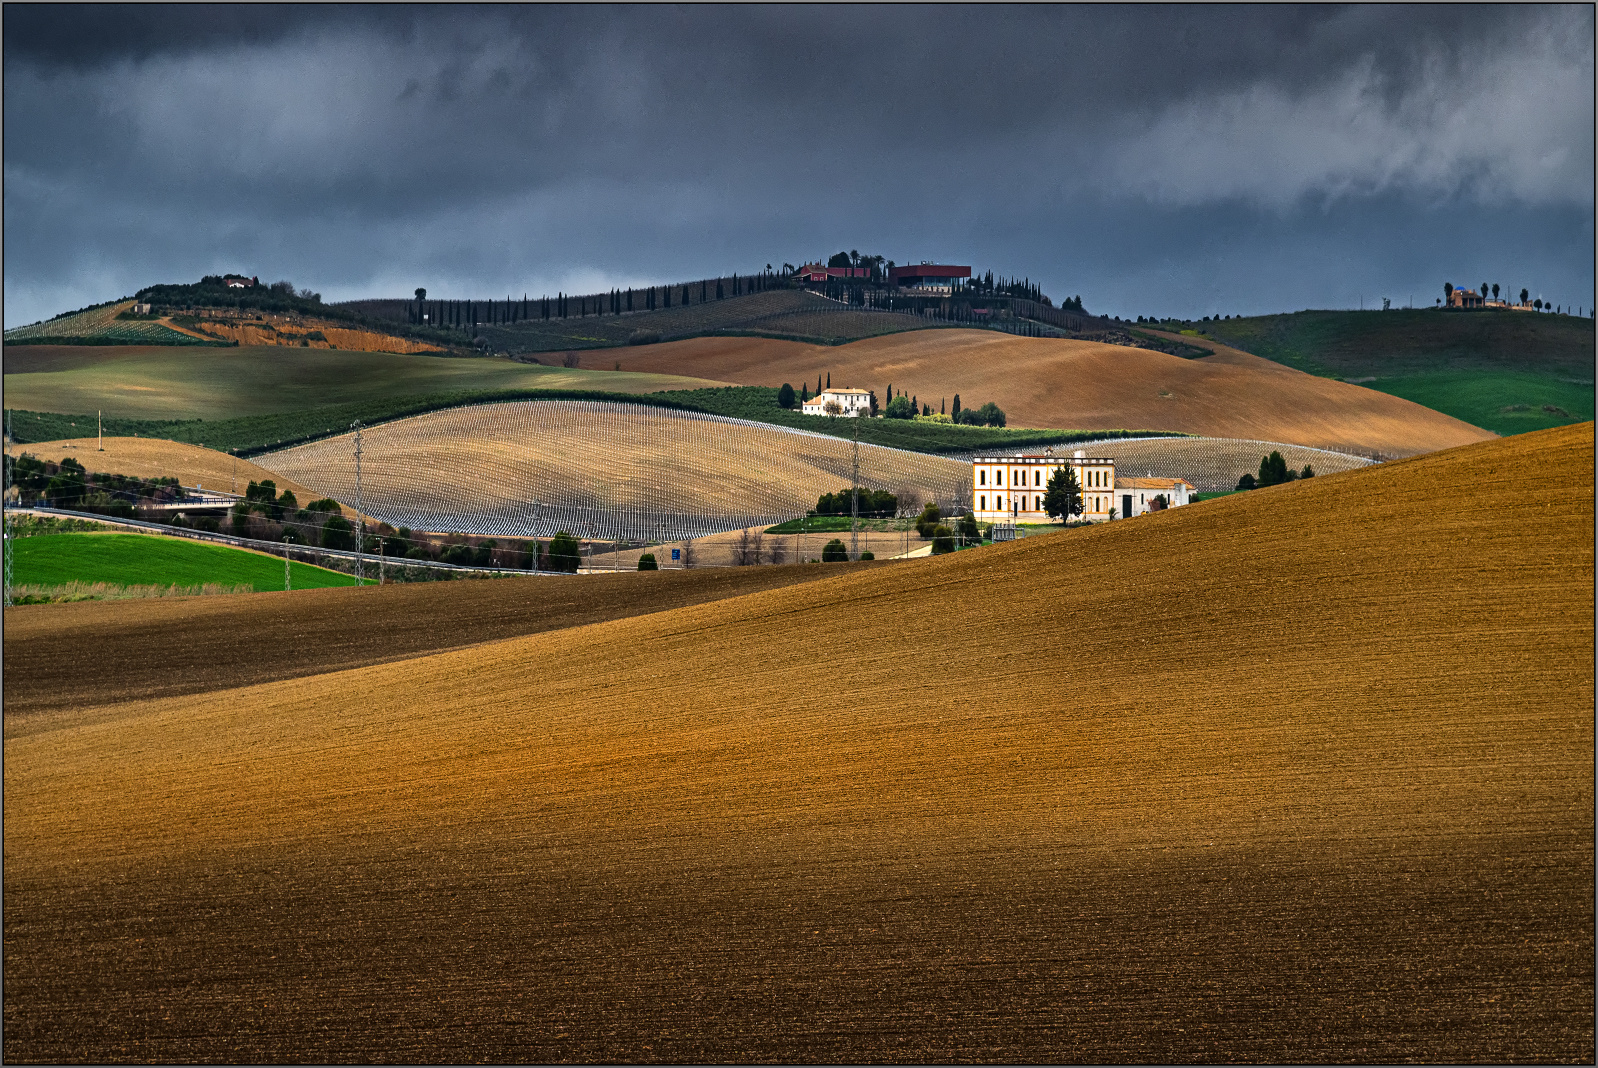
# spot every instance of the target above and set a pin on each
(238, 281)
(818, 272)
(928, 277)
(852, 403)
(1464, 298)
(1010, 489)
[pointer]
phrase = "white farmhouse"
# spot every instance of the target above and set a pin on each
(852, 403)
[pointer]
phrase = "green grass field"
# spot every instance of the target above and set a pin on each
(152, 559)
(1494, 369)
(1505, 402)
(1354, 344)
(170, 383)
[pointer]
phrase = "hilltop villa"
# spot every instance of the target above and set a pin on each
(1010, 489)
(852, 403)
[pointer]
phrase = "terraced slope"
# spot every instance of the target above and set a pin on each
(1302, 774)
(1045, 382)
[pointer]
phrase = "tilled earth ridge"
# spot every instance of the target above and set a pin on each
(1304, 774)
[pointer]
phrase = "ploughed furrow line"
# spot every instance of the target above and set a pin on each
(1301, 774)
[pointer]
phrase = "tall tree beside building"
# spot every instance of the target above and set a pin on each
(1063, 496)
(1524, 293)
(954, 410)
(1448, 291)
(1495, 290)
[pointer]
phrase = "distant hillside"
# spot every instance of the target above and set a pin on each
(105, 324)
(1504, 371)
(520, 327)
(210, 314)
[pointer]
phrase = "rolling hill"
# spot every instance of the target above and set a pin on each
(610, 470)
(1303, 774)
(184, 383)
(1507, 371)
(1046, 382)
(191, 465)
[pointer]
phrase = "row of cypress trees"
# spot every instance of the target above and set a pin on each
(467, 314)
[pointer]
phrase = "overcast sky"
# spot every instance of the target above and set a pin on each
(1186, 161)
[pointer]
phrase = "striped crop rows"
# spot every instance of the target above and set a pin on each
(604, 470)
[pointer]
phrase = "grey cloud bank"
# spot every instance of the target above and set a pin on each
(1172, 160)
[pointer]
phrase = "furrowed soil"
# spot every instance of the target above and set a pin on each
(163, 648)
(1303, 774)
(1050, 382)
(192, 465)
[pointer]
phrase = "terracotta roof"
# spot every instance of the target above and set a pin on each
(1151, 483)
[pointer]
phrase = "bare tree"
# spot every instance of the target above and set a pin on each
(570, 359)
(749, 549)
(688, 555)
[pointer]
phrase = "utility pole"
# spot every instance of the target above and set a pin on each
(285, 563)
(5, 501)
(379, 561)
(360, 512)
(99, 431)
(854, 496)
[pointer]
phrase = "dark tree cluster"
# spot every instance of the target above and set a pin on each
(1273, 472)
(873, 503)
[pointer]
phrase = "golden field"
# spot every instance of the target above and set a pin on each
(1300, 774)
(1051, 382)
(192, 465)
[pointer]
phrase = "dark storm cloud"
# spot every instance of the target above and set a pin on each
(480, 149)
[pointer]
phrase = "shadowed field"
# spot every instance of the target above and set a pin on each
(1301, 774)
(150, 382)
(1047, 382)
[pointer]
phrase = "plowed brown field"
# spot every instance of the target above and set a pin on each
(192, 465)
(201, 645)
(1046, 382)
(1302, 774)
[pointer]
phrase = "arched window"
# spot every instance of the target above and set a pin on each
(982, 478)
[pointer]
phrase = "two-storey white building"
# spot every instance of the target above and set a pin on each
(851, 403)
(1010, 489)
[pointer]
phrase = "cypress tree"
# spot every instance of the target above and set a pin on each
(665, 293)
(718, 289)
(629, 298)
(829, 379)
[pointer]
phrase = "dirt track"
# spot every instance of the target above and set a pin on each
(1044, 382)
(1303, 774)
